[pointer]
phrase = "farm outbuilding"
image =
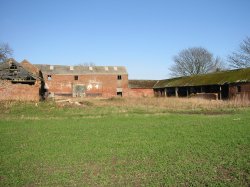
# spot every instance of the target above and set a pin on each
(25, 81)
(141, 88)
(17, 83)
(232, 84)
(79, 81)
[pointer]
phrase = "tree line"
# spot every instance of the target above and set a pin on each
(191, 61)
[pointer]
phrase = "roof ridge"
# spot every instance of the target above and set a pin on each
(217, 78)
(77, 65)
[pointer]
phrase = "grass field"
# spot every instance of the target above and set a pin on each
(117, 142)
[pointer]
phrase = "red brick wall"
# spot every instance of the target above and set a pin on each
(22, 92)
(105, 85)
(140, 92)
(244, 92)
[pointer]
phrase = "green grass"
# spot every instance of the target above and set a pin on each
(103, 146)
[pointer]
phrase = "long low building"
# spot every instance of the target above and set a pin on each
(26, 81)
(219, 85)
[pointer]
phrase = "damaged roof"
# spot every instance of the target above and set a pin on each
(81, 70)
(146, 84)
(30, 67)
(12, 70)
(217, 78)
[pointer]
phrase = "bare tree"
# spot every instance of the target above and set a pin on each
(241, 58)
(219, 64)
(193, 61)
(5, 52)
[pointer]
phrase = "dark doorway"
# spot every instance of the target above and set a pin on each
(224, 91)
(119, 94)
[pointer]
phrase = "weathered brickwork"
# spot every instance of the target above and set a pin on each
(141, 88)
(239, 91)
(141, 92)
(26, 81)
(24, 92)
(94, 85)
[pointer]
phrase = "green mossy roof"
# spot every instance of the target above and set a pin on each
(218, 78)
(143, 84)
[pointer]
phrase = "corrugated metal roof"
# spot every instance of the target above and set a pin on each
(218, 78)
(81, 70)
(141, 83)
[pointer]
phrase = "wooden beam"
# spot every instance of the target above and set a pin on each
(27, 81)
(165, 91)
(220, 93)
(176, 92)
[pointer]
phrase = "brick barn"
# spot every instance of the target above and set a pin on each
(17, 83)
(141, 88)
(25, 81)
(78, 81)
(232, 84)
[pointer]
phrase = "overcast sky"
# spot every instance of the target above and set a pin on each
(142, 35)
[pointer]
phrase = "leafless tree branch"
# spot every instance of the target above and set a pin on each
(5, 52)
(193, 61)
(241, 58)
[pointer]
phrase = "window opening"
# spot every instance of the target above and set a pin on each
(49, 77)
(13, 67)
(119, 94)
